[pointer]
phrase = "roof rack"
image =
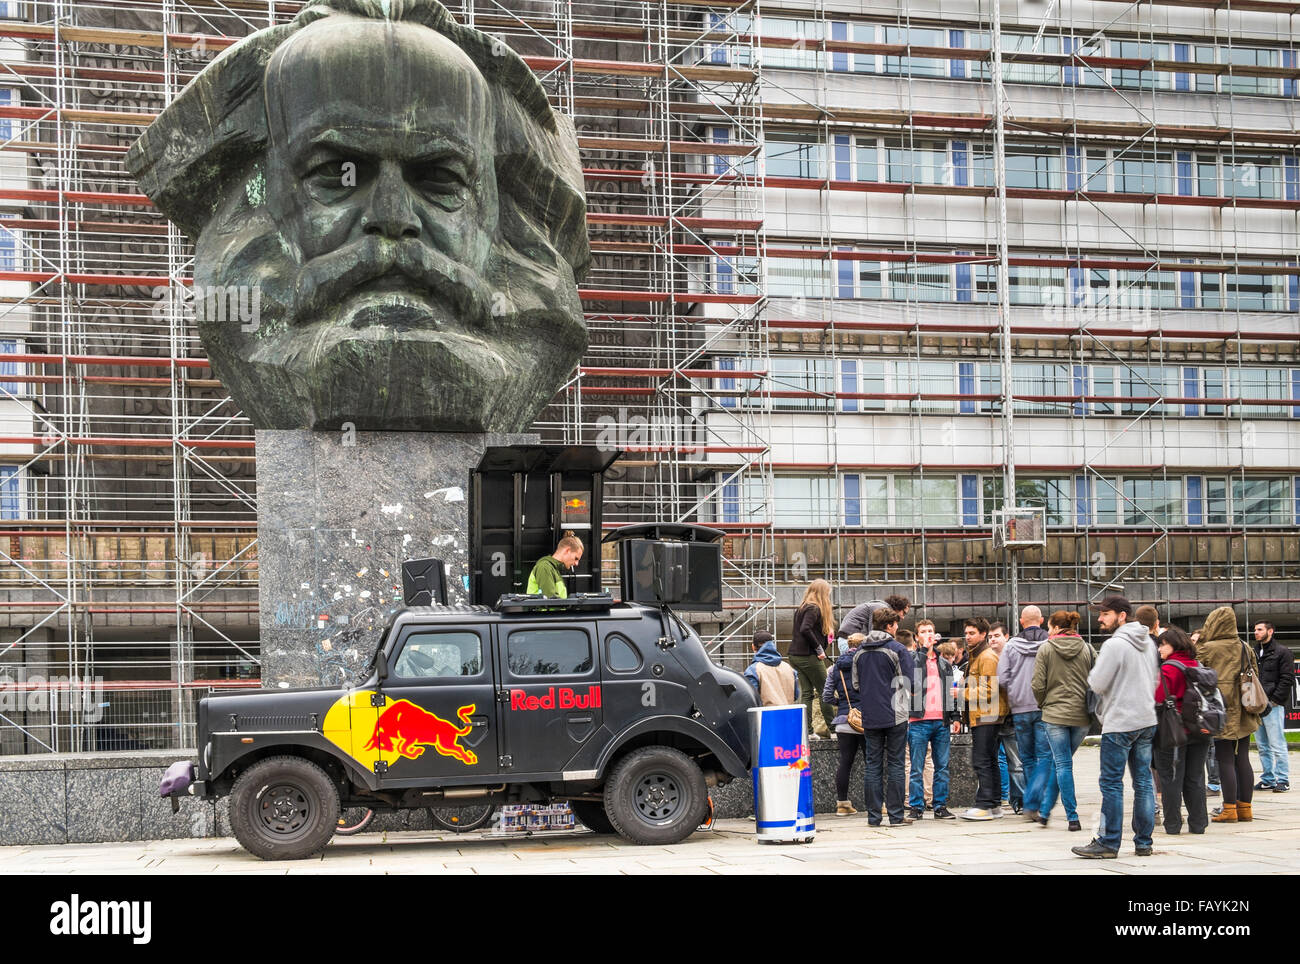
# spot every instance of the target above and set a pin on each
(580, 602)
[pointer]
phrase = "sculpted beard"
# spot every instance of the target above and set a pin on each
(450, 294)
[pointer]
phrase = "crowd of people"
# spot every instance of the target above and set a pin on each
(1176, 710)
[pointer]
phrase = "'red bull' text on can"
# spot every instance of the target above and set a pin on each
(782, 773)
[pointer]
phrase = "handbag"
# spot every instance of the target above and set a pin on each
(1170, 731)
(1253, 698)
(854, 715)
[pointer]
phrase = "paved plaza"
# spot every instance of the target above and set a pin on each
(1268, 845)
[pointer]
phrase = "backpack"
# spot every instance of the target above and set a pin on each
(1203, 711)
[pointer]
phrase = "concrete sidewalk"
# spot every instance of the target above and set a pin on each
(1270, 844)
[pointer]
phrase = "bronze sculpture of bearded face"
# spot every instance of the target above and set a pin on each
(406, 207)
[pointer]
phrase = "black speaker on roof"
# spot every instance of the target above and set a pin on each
(424, 582)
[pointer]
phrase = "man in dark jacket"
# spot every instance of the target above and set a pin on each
(1277, 676)
(882, 676)
(859, 618)
(933, 712)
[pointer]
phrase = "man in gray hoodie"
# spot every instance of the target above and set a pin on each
(1124, 679)
(1017, 670)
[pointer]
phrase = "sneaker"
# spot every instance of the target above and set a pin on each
(1282, 787)
(1075, 825)
(943, 813)
(975, 813)
(1042, 821)
(1095, 850)
(915, 813)
(997, 812)
(1263, 786)
(1030, 815)
(1015, 807)
(1143, 851)
(1211, 789)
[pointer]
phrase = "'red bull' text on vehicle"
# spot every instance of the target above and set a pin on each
(615, 708)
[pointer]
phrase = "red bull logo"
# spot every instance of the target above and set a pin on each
(790, 755)
(564, 698)
(407, 729)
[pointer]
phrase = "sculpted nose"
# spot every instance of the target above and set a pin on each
(390, 212)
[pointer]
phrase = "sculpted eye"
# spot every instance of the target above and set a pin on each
(334, 175)
(439, 177)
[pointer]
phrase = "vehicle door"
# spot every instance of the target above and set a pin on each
(550, 693)
(437, 720)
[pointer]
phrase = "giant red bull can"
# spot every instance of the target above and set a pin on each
(782, 773)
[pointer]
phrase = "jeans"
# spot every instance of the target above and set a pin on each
(984, 761)
(1271, 740)
(885, 772)
(1062, 742)
(1212, 769)
(1035, 756)
(934, 733)
(1012, 767)
(1182, 777)
(1133, 749)
(812, 680)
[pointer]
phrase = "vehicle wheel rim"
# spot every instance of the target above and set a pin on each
(658, 797)
(284, 810)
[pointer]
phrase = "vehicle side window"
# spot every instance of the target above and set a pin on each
(621, 656)
(548, 652)
(439, 656)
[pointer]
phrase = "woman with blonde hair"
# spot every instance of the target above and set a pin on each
(814, 628)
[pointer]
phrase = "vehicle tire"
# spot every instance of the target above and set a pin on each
(656, 795)
(353, 820)
(592, 816)
(284, 808)
(461, 819)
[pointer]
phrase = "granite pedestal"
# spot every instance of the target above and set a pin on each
(337, 514)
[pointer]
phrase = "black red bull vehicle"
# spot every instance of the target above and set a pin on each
(616, 708)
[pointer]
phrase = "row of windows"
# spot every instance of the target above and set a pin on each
(1110, 289)
(1081, 389)
(867, 501)
(529, 652)
(969, 163)
(1087, 45)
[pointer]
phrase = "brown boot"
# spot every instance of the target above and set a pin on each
(1243, 812)
(843, 808)
(1229, 814)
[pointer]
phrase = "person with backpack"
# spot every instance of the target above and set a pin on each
(773, 679)
(1182, 768)
(1222, 650)
(882, 676)
(841, 691)
(1060, 685)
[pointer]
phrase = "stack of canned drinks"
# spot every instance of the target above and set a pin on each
(532, 818)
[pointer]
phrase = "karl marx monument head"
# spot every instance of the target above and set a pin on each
(405, 206)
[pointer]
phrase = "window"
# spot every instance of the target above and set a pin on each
(1056, 496)
(8, 96)
(1144, 172)
(862, 376)
(868, 158)
(866, 500)
(1248, 57)
(1033, 166)
(1052, 384)
(1139, 50)
(916, 66)
(801, 375)
(548, 652)
(804, 501)
(1261, 502)
(925, 501)
(798, 277)
(8, 247)
(1252, 175)
(927, 378)
(1153, 502)
(621, 656)
(970, 500)
(439, 656)
(1216, 502)
(1260, 384)
(794, 155)
(917, 162)
(796, 56)
(9, 346)
(1142, 387)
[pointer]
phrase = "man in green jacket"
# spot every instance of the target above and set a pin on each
(547, 576)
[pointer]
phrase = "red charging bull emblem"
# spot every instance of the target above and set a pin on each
(406, 729)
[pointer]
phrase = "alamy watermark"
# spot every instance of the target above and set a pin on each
(37, 693)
